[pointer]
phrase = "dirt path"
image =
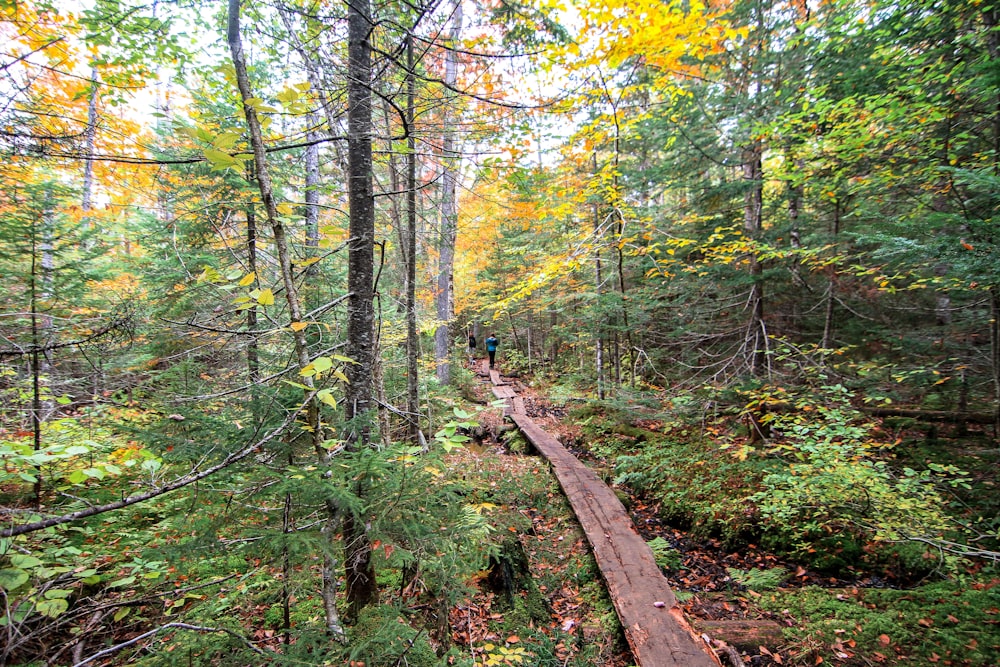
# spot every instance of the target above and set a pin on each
(654, 625)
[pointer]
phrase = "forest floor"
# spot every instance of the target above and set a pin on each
(706, 577)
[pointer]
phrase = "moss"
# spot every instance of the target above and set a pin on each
(382, 638)
(518, 595)
(956, 622)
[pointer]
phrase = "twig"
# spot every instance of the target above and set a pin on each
(154, 631)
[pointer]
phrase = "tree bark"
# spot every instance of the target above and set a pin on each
(756, 340)
(598, 280)
(361, 588)
(312, 190)
(253, 357)
(90, 139)
(449, 212)
(995, 356)
(412, 341)
(284, 259)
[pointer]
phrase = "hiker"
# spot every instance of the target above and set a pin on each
(472, 346)
(491, 347)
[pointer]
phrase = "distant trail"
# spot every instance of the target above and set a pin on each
(654, 625)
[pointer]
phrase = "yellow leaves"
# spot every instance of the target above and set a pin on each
(256, 297)
(221, 161)
(258, 105)
(248, 279)
(265, 297)
(662, 33)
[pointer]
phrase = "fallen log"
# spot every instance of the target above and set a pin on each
(932, 415)
(743, 634)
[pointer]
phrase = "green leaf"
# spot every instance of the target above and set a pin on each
(23, 561)
(124, 581)
(57, 593)
(11, 578)
(52, 608)
(226, 140)
(219, 159)
(322, 364)
(121, 613)
(27, 477)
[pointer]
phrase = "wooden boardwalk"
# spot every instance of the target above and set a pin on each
(654, 625)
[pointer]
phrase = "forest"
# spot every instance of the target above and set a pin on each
(742, 258)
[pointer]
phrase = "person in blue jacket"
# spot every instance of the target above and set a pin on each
(491, 347)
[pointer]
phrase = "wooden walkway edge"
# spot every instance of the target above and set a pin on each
(655, 627)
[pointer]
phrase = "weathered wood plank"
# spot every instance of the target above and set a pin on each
(654, 625)
(504, 391)
(744, 634)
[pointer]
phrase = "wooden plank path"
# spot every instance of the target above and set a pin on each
(654, 625)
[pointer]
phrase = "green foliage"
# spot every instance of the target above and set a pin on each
(836, 476)
(949, 620)
(697, 486)
(74, 451)
(383, 638)
(759, 580)
(666, 556)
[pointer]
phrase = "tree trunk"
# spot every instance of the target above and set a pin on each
(756, 340)
(361, 588)
(449, 212)
(995, 356)
(253, 358)
(89, 138)
(312, 190)
(36, 371)
(990, 18)
(598, 280)
(412, 341)
(284, 259)
(827, 340)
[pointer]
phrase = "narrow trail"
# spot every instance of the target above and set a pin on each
(655, 627)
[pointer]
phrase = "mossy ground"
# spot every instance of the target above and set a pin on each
(561, 615)
(844, 602)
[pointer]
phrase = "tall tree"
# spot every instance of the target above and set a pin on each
(263, 176)
(448, 223)
(358, 405)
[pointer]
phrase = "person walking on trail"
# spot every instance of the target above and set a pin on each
(491, 347)
(472, 346)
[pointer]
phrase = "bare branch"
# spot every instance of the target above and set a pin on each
(155, 631)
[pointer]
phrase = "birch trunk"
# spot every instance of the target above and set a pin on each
(449, 212)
